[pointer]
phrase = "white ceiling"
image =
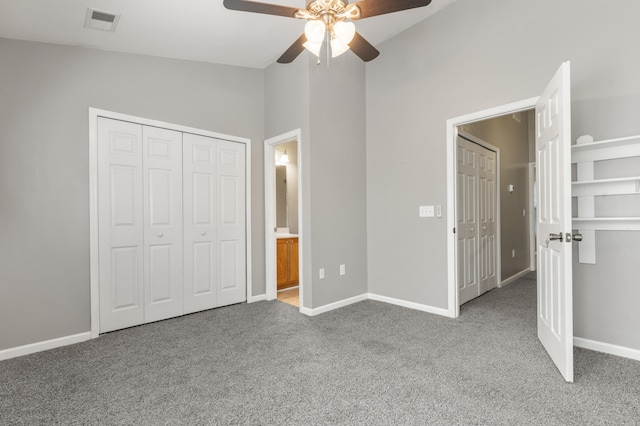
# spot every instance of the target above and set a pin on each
(198, 30)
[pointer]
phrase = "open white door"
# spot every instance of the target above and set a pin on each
(553, 156)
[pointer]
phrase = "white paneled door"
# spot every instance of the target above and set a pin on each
(231, 174)
(200, 219)
(162, 195)
(467, 226)
(553, 158)
(487, 216)
(477, 219)
(171, 223)
(120, 224)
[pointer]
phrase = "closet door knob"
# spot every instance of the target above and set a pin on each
(160, 235)
(203, 233)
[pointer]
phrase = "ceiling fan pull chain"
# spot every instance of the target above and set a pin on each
(328, 44)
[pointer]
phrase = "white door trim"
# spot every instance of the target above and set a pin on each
(270, 212)
(532, 217)
(94, 113)
(453, 308)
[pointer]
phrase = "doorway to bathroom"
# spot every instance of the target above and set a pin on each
(283, 237)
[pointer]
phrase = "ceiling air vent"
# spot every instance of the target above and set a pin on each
(101, 20)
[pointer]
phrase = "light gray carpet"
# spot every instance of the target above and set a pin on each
(369, 363)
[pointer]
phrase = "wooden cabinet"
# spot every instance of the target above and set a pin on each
(287, 260)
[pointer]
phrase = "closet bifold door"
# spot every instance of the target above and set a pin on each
(214, 223)
(232, 244)
(163, 239)
(200, 219)
(120, 224)
(487, 204)
(467, 226)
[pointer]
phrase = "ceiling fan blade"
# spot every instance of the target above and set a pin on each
(293, 51)
(370, 8)
(266, 8)
(363, 48)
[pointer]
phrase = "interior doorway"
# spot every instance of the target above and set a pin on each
(513, 258)
(283, 219)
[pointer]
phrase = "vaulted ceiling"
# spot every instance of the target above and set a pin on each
(198, 30)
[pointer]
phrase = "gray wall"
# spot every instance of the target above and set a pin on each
(45, 93)
(327, 104)
(512, 138)
(292, 185)
(338, 178)
(469, 57)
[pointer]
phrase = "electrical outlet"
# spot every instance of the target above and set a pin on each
(343, 270)
(513, 253)
(322, 273)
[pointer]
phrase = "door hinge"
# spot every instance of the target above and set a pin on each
(454, 230)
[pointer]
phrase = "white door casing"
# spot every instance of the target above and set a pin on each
(162, 195)
(553, 159)
(270, 215)
(120, 224)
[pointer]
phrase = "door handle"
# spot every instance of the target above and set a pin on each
(556, 237)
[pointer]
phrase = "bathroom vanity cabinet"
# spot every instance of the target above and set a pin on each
(287, 260)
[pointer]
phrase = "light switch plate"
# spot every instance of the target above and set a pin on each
(427, 211)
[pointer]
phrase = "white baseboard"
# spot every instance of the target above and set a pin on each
(257, 298)
(514, 277)
(332, 306)
(607, 348)
(410, 305)
(45, 345)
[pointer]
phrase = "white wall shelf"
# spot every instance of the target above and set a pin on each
(584, 154)
(607, 223)
(606, 150)
(618, 186)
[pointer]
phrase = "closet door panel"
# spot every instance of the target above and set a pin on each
(231, 223)
(200, 209)
(120, 224)
(487, 174)
(467, 227)
(163, 277)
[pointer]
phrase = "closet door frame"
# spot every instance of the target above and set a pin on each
(94, 114)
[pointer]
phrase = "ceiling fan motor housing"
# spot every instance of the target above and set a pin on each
(329, 11)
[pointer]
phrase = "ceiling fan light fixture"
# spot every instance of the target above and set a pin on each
(338, 48)
(343, 33)
(313, 47)
(314, 31)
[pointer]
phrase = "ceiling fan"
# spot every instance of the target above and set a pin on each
(330, 20)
